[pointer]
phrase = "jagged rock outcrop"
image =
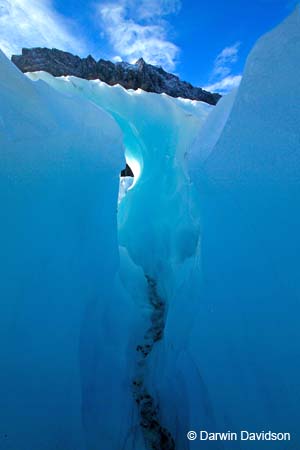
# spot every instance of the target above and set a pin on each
(130, 76)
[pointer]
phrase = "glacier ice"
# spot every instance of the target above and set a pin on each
(106, 340)
(125, 184)
(211, 221)
(236, 364)
(158, 131)
(159, 217)
(65, 354)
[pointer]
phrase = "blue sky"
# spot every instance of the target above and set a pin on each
(204, 42)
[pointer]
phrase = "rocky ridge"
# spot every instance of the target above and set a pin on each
(131, 76)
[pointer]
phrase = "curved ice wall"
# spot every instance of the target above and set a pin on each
(158, 220)
(66, 354)
(159, 217)
(244, 341)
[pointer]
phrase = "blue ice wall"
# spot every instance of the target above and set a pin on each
(158, 218)
(67, 325)
(245, 338)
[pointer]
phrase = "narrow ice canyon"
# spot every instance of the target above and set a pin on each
(128, 319)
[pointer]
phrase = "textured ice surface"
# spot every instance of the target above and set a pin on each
(125, 184)
(158, 220)
(241, 361)
(66, 322)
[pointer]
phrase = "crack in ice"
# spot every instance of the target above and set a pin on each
(156, 436)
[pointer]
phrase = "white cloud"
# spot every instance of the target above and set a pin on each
(137, 29)
(149, 9)
(225, 84)
(33, 23)
(225, 59)
(222, 79)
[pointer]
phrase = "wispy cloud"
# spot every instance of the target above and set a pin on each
(225, 60)
(32, 23)
(148, 9)
(139, 29)
(222, 79)
(225, 84)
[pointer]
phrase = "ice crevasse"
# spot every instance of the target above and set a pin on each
(213, 218)
(74, 306)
